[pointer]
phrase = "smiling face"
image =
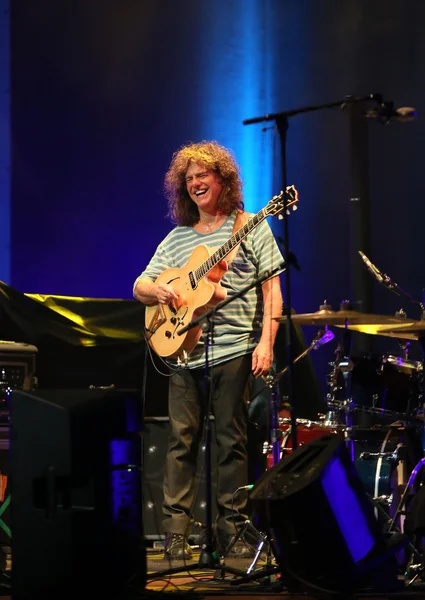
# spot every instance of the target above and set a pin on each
(203, 186)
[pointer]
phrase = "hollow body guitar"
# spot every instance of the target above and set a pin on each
(199, 286)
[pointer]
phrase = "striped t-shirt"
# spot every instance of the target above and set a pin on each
(237, 327)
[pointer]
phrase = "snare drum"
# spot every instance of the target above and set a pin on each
(306, 432)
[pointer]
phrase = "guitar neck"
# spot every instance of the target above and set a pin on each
(227, 247)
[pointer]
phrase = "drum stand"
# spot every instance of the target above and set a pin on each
(344, 365)
(272, 380)
(415, 569)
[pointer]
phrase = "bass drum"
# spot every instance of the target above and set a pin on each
(384, 457)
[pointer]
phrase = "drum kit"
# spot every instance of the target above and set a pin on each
(377, 405)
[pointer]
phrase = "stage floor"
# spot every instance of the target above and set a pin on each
(230, 579)
(233, 579)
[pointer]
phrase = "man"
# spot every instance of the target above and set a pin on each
(204, 192)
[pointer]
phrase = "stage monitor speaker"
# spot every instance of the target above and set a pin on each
(75, 477)
(321, 522)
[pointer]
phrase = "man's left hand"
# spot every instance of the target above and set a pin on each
(262, 359)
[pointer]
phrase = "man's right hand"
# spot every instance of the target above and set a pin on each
(165, 293)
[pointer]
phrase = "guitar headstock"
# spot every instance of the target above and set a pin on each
(276, 204)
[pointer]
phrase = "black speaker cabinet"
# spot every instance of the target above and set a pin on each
(76, 493)
(155, 442)
(322, 523)
(5, 498)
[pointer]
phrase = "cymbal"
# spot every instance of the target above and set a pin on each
(347, 318)
(394, 331)
(410, 331)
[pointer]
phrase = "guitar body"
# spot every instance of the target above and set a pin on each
(163, 322)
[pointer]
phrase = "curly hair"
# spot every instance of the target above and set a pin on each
(211, 155)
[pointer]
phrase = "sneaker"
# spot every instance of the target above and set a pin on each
(176, 547)
(241, 549)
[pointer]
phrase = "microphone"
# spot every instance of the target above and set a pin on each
(375, 272)
(380, 277)
(386, 112)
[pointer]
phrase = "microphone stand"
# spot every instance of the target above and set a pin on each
(208, 558)
(281, 120)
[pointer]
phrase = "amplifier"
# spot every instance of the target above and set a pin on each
(5, 533)
(17, 370)
(155, 444)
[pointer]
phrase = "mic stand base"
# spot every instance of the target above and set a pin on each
(248, 526)
(263, 573)
(207, 558)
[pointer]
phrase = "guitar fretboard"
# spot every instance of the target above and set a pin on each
(226, 248)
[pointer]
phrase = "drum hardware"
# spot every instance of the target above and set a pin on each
(393, 456)
(321, 338)
(275, 432)
(272, 379)
(408, 490)
(413, 569)
(342, 365)
(403, 365)
(384, 500)
(266, 448)
(385, 474)
(339, 408)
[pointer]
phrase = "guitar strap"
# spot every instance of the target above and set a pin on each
(240, 220)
